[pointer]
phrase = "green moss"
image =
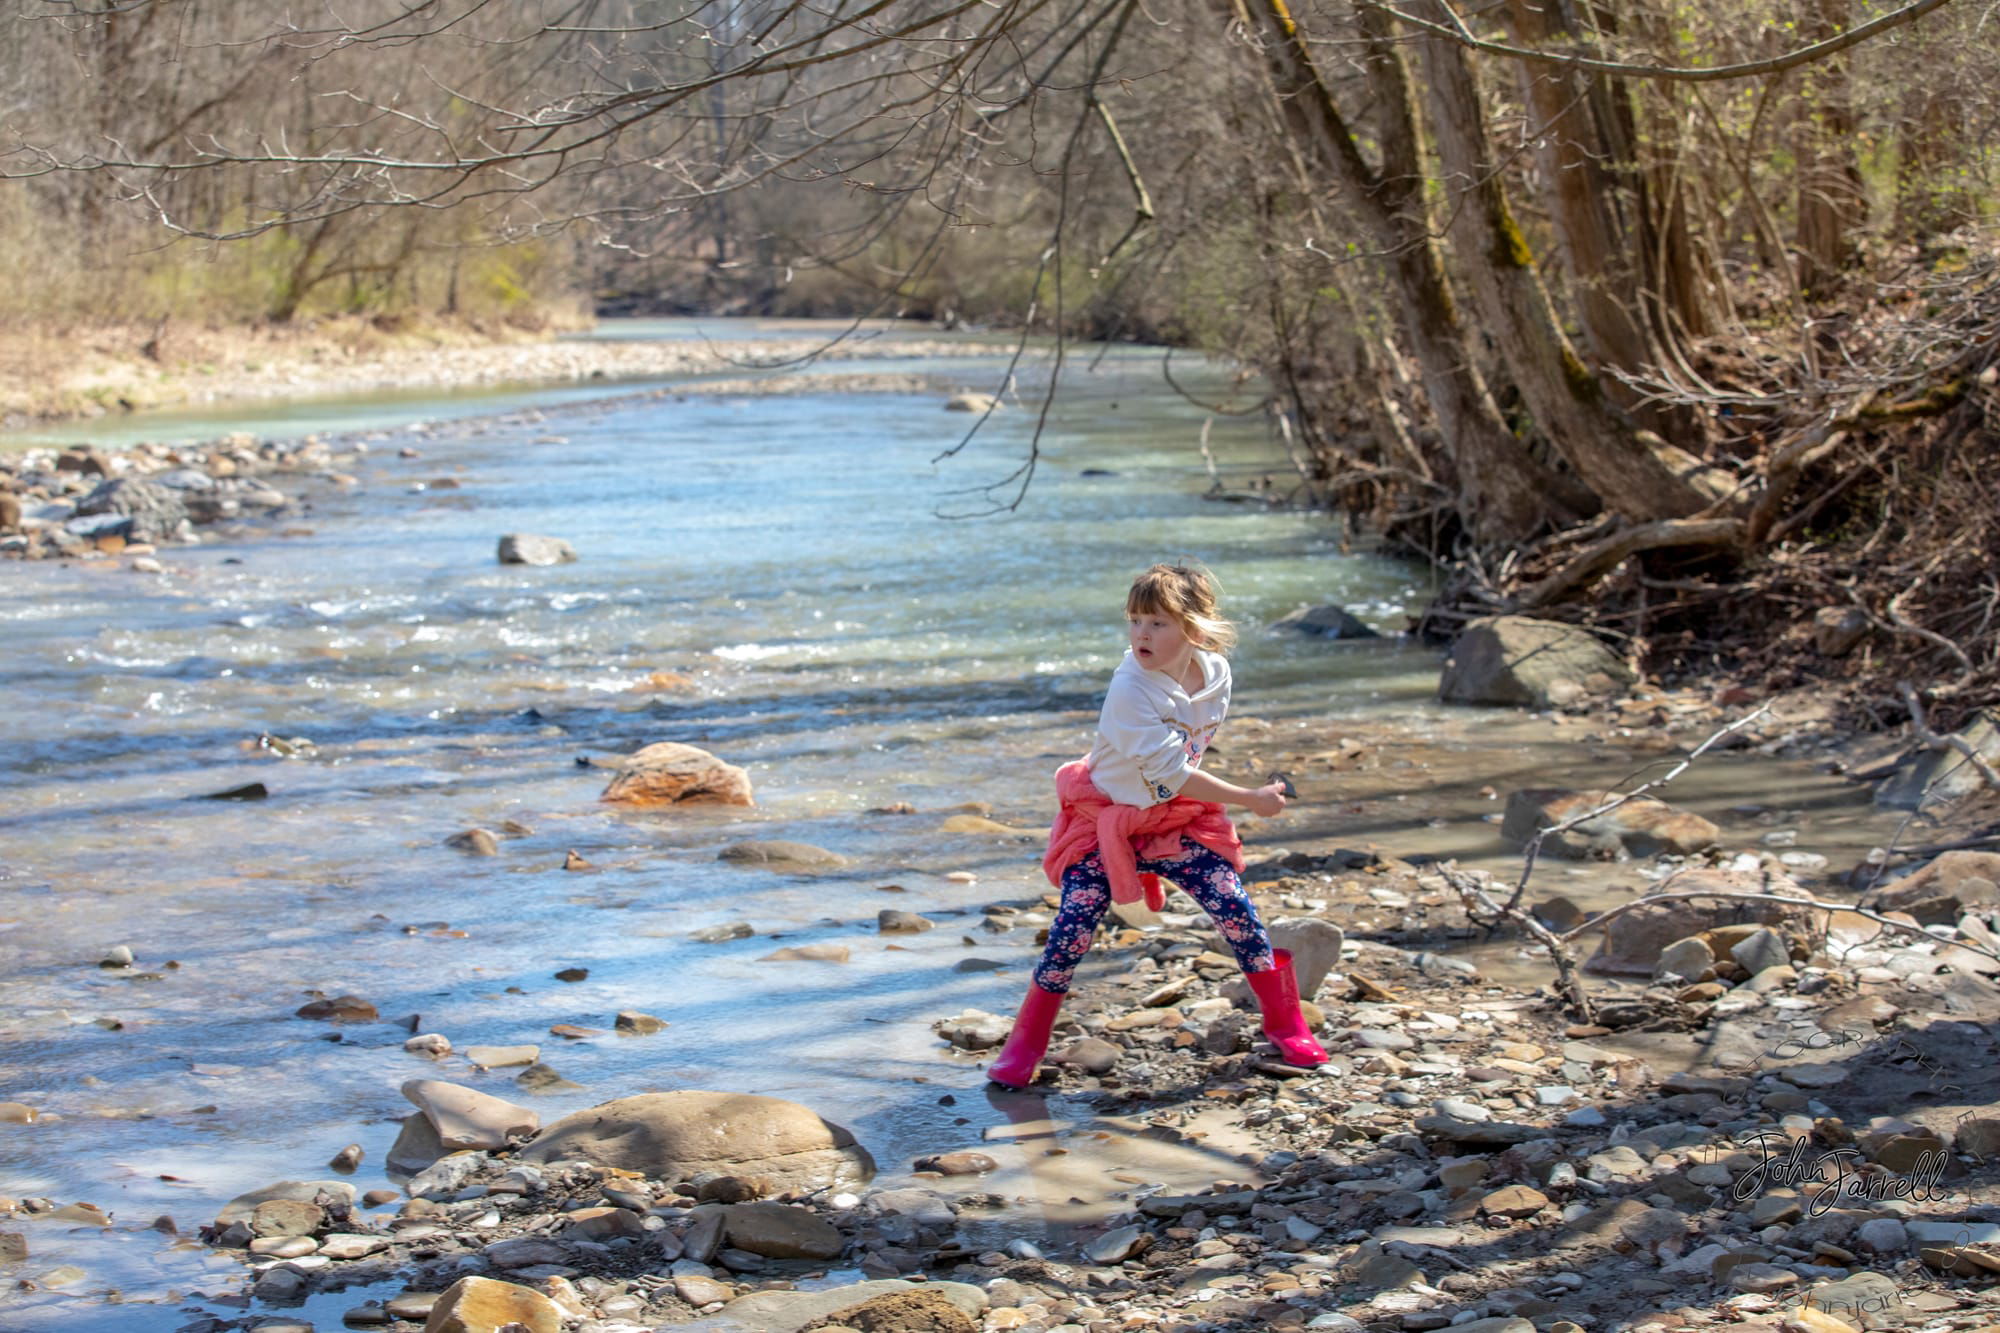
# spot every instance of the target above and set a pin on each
(1582, 383)
(1510, 247)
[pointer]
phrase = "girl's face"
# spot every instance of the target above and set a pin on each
(1160, 642)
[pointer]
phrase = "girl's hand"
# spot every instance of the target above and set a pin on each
(1267, 800)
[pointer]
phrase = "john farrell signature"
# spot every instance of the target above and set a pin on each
(1798, 1163)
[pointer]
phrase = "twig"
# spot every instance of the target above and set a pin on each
(1734, 896)
(1208, 458)
(1901, 625)
(1534, 848)
(1568, 977)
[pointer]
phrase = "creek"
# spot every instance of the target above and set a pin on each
(762, 576)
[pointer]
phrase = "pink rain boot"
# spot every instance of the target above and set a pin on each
(1015, 1067)
(1277, 993)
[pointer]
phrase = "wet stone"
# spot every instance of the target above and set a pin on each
(957, 1163)
(413, 1305)
(340, 1009)
(1093, 1055)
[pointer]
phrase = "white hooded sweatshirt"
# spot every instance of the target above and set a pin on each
(1152, 733)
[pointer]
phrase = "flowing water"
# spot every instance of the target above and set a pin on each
(782, 557)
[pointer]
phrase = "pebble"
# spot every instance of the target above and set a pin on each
(636, 1024)
(957, 1164)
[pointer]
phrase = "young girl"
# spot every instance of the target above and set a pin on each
(1139, 806)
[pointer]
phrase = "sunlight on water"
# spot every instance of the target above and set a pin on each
(765, 577)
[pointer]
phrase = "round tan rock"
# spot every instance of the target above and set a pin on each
(669, 773)
(484, 1305)
(681, 1134)
(931, 1311)
(603, 1224)
(699, 1291)
(286, 1217)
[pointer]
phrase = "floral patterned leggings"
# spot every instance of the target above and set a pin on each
(1208, 878)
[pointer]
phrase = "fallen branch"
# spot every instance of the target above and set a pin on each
(1609, 553)
(1931, 739)
(1568, 976)
(1734, 896)
(1899, 624)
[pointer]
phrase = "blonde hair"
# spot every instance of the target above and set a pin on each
(1189, 596)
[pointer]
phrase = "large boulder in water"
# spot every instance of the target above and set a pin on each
(675, 1135)
(1326, 622)
(525, 548)
(669, 773)
(1529, 663)
(780, 854)
(157, 513)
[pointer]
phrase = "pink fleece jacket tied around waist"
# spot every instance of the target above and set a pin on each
(1089, 821)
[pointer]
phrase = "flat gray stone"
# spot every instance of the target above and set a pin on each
(1762, 949)
(790, 1311)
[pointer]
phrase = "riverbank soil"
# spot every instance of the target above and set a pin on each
(49, 375)
(58, 373)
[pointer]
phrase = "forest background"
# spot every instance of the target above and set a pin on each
(1675, 318)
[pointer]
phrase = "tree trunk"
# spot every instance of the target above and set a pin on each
(1832, 201)
(1566, 399)
(1506, 494)
(1581, 190)
(1930, 143)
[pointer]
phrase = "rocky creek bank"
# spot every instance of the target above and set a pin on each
(1784, 1119)
(129, 504)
